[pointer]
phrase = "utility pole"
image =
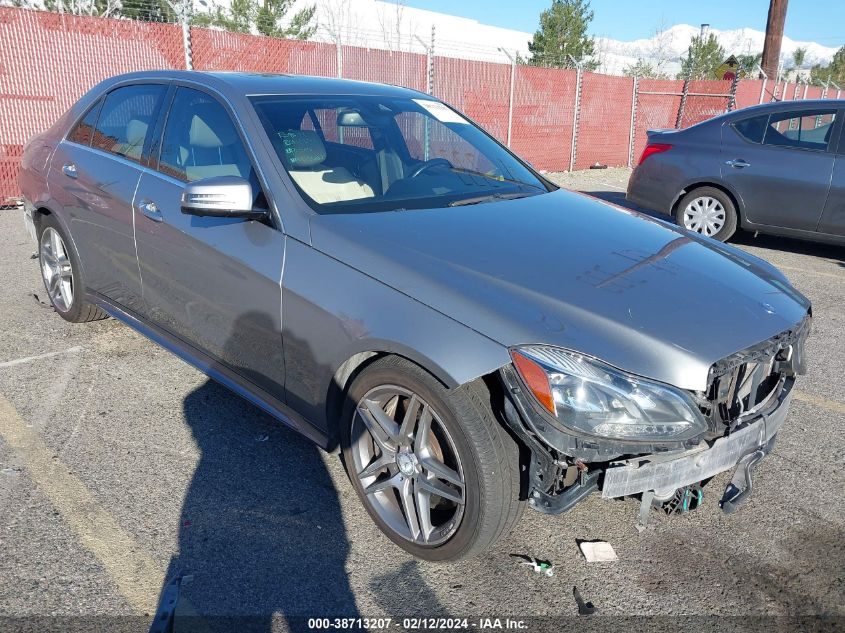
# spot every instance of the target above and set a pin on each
(774, 37)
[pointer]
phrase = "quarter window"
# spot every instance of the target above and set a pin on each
(805, 129)
(125, 120)
(83, 131)
(752, 129)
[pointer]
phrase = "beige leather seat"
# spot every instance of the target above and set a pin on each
(303, 153)
(136, 132)
(205, 156)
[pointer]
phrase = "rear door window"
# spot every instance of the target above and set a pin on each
(125, 120)
(807, 129)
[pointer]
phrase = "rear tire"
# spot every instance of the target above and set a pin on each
(461, 450)
(61, 273)
(708, 211)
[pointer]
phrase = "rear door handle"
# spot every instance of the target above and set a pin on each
(150, 210)
(737, 163)
(69, 170)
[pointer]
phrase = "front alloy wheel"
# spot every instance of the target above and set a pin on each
(408, 465)
(433, 466)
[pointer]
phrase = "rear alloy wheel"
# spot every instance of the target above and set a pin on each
(433, 467)
(708, 211)
(62, 274)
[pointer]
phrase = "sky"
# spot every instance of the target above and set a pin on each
(818, 21)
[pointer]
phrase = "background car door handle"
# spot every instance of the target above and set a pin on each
(150, 210)
(69, 170)
(738, 163)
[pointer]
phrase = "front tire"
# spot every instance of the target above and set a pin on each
(709, 211)
(433, 467)
(62, 274)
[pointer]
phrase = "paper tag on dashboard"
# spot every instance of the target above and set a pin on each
(440, 111)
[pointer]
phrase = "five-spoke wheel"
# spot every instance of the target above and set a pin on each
(433, 466)
(408, 465)
(62, 273)
(56, 269)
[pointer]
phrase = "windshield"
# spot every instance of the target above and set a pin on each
(356, 154)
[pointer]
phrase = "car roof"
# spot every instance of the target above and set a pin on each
(788, 104)
(247, 83)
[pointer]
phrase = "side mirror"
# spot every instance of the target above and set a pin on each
(220, 197)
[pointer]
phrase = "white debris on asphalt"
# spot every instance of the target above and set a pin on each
(598, 552)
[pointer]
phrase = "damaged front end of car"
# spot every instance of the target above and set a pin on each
(591, 427)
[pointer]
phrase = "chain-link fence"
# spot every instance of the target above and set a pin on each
(558, 119)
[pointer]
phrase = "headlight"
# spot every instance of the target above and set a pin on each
(589, 396)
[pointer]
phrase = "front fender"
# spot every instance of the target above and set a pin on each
(332, 313)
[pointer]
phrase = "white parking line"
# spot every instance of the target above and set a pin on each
(29, 359)
(607, 184)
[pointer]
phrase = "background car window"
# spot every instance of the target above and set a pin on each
(125, 119)
(201, 141)
(752, 129)
(83, 131)
(805, 129)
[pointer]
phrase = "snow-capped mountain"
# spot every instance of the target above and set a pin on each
(670, 45)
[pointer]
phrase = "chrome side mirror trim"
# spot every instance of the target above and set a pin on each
(220, 196)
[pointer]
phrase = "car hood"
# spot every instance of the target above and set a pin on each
(568, 270)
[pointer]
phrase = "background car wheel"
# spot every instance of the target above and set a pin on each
(433, 467)
(62, 274)
(709, 211)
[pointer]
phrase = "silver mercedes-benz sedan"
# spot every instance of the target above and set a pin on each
(369, 266)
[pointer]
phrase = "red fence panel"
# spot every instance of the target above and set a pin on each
(399, 68)
(543, 115)
(748, 92)
(481, 90)
(51, 59)
(220, 50)
(700, 106)
(655, 111)
(814, 92)
(605, 120)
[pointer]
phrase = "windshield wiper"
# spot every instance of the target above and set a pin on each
(489, 198)
(472, 172)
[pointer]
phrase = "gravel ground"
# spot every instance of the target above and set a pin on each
(121, 467)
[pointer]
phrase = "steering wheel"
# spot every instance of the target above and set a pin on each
(434, 162)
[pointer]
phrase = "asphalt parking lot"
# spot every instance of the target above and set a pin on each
(122, 467)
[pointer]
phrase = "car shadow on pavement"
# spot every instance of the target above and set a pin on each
(261, 530)
(790, 245)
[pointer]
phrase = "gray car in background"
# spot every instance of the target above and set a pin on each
(370, 267)
(776, 168)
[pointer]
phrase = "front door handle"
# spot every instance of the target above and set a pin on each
(69, 170)
(737, 163)
(150, 210)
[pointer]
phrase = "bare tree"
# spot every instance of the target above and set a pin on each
(341, 22)
(396, 34)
